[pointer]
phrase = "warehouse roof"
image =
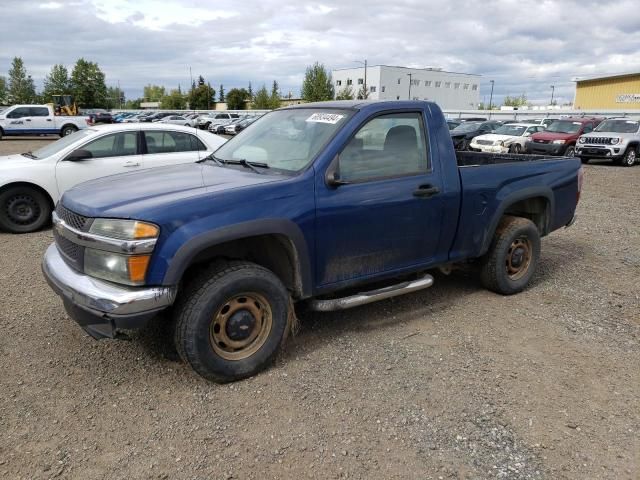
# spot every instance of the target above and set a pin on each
(606, 77)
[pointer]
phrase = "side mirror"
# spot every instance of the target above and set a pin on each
(79, 154)
(333, 179)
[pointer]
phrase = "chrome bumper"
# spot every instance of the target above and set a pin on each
(102, 298)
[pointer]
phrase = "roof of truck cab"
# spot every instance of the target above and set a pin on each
(360, 104)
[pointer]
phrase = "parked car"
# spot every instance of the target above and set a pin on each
(235, 128)
(356, 201)
(38, 120)
(154, 117)
(218, 128)
(466, 131)
(616, 139)
(100, 117)
(560, 137)
(135, 118)
(205, 121)
(176, 120)
(453, 123)
(31, 183)
(508, 138)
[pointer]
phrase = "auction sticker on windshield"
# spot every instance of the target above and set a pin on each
(331, 118)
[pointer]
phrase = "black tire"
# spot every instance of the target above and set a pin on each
(630, 157)
(584, 160)
(201, 325)
(68, 130)
(570, 151)
(515, 148)
(513, 256)
(464, 145)
(23, 210)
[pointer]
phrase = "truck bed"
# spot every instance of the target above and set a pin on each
(472, 159)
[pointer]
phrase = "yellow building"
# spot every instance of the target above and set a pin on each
(616, 92)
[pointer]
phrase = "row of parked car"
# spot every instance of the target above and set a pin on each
(616, 139)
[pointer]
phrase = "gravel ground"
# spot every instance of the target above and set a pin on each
(452, 382)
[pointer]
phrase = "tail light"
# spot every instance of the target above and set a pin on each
(580, 182)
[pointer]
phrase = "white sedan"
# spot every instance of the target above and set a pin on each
(176, 120)
(31, 183)
(509, 138)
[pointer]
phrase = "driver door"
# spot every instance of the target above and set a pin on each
(108, 155)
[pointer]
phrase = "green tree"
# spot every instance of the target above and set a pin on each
(115, 97)
(345, 93)
(236, 99)
(221, 94)
(3, 91)
(261, 100)
(153, 93)
(317, 85)
(88, 85)
(250, 92)
(133, 104)
(515, 101)
(274, 99)
(363, 93)
(176, 100)
(21, 87)
(56, 83)
(202, 97)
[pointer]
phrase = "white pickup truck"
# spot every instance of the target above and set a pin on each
(38, 120)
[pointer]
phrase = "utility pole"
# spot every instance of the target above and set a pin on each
(409, 74)
(552, 91)
(491, 98)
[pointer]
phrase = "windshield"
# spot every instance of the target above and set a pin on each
(285, 139)
(564, 126)
(61, 144)
(618, 126)
(512, 130)
(466, 127)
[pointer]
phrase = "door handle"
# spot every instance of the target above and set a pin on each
(48, 119)
(27, 119)
(131, 164)
(426, 191)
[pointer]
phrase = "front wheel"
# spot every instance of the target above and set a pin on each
(513, 256)
(516, 148)
(630, 157)
(231, 321)
(68, 130)
(23, 210)
(570, 151)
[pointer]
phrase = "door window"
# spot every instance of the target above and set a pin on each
(19, 112)
(39, 111)
(115, 145)
(160, 141)
(386, 146)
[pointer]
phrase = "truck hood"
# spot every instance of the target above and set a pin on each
(125, 194)
(553, 136)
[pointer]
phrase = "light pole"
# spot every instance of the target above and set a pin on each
(491, 98)
(552, 90)
(410, 75)
(365, 93)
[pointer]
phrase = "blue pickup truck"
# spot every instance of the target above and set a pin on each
(336, 204)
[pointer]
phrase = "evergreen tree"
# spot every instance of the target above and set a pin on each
(274, 99)
(345, 93)
(236, 99)
(21, 87)
(249, 92)
(262, 101)
(88, 85)
(202, 96)
(221, 94)
(3, 91)
(317, 85)
(56, 83)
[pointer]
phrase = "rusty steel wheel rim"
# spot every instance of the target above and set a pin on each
(518, 258)
(240, 327)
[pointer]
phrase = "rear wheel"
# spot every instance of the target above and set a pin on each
(68, 130)
(23, 210)
(630, 157)
(231, 321)
(513, 256)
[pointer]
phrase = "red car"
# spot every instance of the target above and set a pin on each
(560, 137)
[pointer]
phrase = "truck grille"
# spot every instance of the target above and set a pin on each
(597, 140)
(73, 219)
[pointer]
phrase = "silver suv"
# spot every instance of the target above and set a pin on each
(206, 120)
(616, 139)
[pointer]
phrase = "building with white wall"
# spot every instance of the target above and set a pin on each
(448, 89)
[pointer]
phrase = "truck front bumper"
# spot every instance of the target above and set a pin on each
(599, 151)
(100, 307)
(546, 148)
(489, 148)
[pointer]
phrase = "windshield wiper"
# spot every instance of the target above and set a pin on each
(211, 157)
(29, 155)
(247, 164)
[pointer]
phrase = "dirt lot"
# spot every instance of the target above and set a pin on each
(452, 382)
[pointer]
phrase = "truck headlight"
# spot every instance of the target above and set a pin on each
(559, 142)
(614, 141)
(124, 229)
(582, 140)
(113, 267)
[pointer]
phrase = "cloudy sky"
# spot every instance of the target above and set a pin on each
(524, 46)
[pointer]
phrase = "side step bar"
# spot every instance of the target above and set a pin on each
(372, 296)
